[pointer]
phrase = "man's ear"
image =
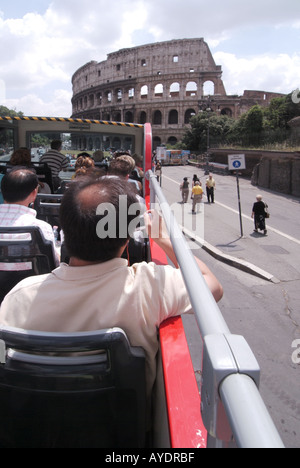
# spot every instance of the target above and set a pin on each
(34, 193)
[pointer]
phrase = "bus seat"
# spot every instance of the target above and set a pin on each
(44, 173)
(34, 256)
(62, 399)
(47, 208)
(136, 251)
(1, 196)
(3, 168)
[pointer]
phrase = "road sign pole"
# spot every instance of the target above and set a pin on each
(237, 162)
(239, 199)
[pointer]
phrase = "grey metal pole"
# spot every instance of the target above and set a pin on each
(251, 424)
(239, 200)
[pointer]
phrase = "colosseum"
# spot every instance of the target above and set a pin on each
(163, 83)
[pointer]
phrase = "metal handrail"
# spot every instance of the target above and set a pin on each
(230, 370)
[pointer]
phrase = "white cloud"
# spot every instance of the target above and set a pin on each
(32, 104)
(266, 73)
(41, 50)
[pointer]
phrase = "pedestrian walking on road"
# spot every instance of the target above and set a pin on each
(197, 196)
(210, 189)
(195, 179)
(260, 213)
(158, 171)
(184, 187)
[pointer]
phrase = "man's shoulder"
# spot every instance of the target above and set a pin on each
(43, 225)
(28, 286)
(157, 274)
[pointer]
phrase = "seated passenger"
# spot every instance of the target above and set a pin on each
(123, 166)
(19, 189)
(22, 157)
(98, 156)
(56, 161)
(98, 290)
(83, 166)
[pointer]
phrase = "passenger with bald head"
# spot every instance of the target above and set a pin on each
(19, 189)
(97, 289)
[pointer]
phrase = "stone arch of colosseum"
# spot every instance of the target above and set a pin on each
(164, 83)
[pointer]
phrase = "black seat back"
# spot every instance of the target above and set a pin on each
(34, 251)
(64, 400)
(44, 173)
(47, 208)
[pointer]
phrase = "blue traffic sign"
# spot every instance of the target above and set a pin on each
(236, 162)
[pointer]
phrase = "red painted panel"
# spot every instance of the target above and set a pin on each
(183, 399)
(147, 153)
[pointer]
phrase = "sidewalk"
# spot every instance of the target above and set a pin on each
(273, 257)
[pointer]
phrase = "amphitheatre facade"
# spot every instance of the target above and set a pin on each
(164, 83)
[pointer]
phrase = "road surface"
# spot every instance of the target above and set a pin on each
(265, 312)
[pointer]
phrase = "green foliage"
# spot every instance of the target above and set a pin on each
(257, 127)
(254, 120)
(5, 112)
(204, 125)
(280, 112)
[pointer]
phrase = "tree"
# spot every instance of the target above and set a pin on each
(5, 112)
(196, 137)
(280, 112)
(254, 120)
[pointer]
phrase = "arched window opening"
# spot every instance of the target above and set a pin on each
(144, 91)
(109, 96)
(131, 93)
(158, 90)
(99, 99)
(119, 95)
(172, 140)
(157, 118)
(208, 88)
(188, 115)
(226, 111)
(129, 117)
(143, 117)
(174, 90)
(173, 117)
(191, 89)
(156, 142)
(117, 117)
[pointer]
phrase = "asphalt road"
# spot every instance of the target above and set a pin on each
(266, 313)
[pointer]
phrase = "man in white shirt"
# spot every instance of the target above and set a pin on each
(19, 189)
(97, 289)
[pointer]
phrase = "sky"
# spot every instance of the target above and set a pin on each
(43, 43)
